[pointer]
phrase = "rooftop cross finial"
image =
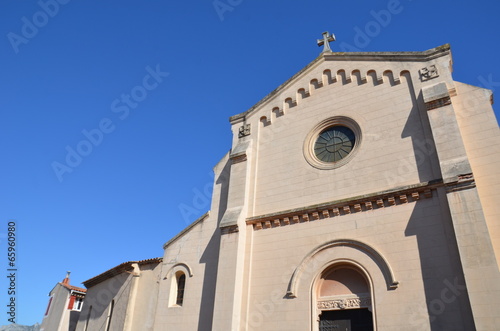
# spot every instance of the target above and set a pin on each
(325, 42)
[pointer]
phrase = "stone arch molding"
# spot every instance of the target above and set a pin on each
(373, 254)
(179, 266)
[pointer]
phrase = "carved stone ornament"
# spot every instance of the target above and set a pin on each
(345, 303)
(244, 130)
(428, 73)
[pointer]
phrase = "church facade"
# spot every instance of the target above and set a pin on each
(358, 195)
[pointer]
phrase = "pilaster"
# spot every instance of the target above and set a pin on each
(473, 238)
(230, 292)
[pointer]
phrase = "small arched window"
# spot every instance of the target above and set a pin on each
(177, 276)
(181, 284)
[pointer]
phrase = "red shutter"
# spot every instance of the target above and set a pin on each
(71, 302)
(48, 307)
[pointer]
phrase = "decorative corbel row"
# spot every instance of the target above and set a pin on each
(328, 77)
(229, 229)
(436, 96)
(462, 182)
(356, 205)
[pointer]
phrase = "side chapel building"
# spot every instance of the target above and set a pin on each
(361, 194)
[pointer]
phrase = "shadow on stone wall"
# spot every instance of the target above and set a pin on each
(448, 306)
(210, 257)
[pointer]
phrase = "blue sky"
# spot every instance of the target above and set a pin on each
(67, 68)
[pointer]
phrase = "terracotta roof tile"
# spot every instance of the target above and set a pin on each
(73, 288)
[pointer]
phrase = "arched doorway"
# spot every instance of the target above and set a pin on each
(343, 300)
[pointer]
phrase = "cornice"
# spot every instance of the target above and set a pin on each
(391, 56)
(357, 204)
(240, 117)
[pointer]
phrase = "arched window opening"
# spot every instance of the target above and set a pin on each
(181, 283)
(343, 281)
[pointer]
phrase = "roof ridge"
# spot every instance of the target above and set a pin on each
(118, 270)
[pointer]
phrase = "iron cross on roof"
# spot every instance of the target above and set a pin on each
(327, 38)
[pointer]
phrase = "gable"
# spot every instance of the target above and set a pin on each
(378, 92)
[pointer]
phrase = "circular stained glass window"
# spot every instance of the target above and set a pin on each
(334, 143)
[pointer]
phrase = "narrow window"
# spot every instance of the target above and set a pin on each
(48, 306)
(110, 314)
(78, 304)
(181, 283)
(88, 319)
